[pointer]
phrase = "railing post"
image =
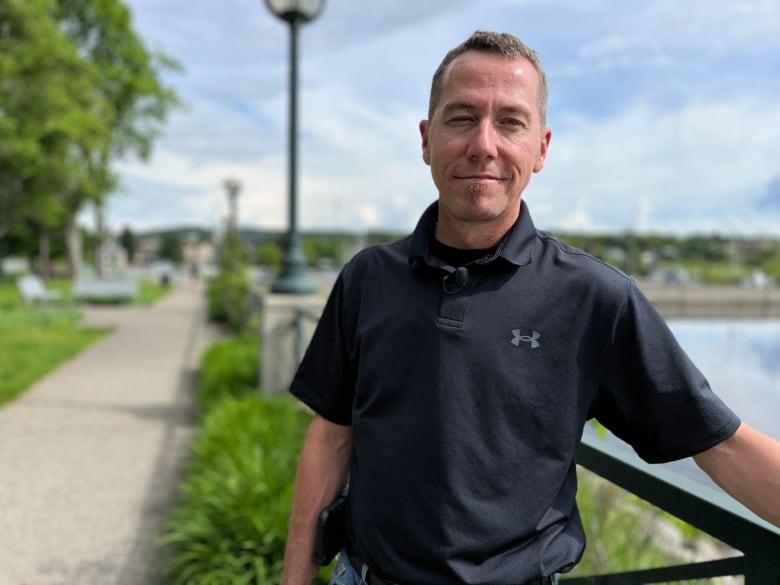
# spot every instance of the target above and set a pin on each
(762, 566)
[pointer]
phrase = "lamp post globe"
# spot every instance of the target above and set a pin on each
(293, 278)
(304, 10)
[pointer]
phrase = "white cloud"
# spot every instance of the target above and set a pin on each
(184, 192)
(710, 157)
(657, 31)
(698, 152)
(359, 166)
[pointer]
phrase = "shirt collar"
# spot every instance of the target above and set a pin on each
(516, 246)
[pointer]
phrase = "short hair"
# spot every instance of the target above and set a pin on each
(504, 44)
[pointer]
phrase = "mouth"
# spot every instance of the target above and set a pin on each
(479, 178)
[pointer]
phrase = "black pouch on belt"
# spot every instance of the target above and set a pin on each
(331, 530)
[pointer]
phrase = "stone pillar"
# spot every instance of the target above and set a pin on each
(288, 322)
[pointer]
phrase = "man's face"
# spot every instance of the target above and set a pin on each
(484, 141)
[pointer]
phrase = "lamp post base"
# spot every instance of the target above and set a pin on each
(293, 279)
(293, 285)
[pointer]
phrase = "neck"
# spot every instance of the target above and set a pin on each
(473, 234)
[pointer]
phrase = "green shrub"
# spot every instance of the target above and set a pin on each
(229, 368)
(228, 295)
(229, 291)
(236, 295)
(230, 526)
(216, 301)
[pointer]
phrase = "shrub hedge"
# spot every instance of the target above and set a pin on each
(229, 369)
(230, 525)
(229, 292)
(216, 300)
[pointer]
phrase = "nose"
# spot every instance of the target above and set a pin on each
(483, 142)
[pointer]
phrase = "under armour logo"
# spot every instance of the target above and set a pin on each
(533, 339)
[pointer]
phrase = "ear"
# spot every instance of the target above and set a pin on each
(546, 136)
(426, 151)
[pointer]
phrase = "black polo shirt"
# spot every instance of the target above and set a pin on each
(467, 389)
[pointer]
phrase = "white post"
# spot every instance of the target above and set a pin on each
(288, 323)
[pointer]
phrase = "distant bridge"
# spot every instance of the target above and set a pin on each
(698, 301)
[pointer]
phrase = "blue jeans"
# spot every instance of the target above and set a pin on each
(344, 573)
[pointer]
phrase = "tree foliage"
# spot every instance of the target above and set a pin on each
(129, 73)
(50, 116)
(170, 247)
(79, 90)
(269, 254)
(129, 241)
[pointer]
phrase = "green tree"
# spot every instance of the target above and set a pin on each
(129, 242)
(771, 264)
(170, 247)
(323, 247)
(78, 91)
(129, 79)
(50, 116)
(269, 254)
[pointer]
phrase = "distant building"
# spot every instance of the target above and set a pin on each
(197, 246)
(758, 279)
(670, 276)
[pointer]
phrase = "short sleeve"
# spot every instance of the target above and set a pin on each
(651, 394)
(325, 379)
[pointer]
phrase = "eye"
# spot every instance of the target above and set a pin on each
(460, 120)
(514, 122)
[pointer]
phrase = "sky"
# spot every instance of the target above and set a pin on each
(665, 115)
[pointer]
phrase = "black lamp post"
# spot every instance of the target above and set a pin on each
(293, 278)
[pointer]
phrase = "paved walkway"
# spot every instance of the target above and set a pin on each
(90, 456)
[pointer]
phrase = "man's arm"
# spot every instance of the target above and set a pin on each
(322, 474)
(747, 466)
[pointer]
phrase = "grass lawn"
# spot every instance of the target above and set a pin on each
(34, 341)
(150, 292)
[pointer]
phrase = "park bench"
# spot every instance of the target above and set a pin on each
(105, 290)
(34, 290)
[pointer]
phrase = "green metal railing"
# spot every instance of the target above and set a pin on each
(703, 507)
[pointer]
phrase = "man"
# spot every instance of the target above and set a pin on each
(452, 372)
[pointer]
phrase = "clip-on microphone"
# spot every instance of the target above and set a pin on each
(455, 285)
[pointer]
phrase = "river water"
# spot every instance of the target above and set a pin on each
(741, 360)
